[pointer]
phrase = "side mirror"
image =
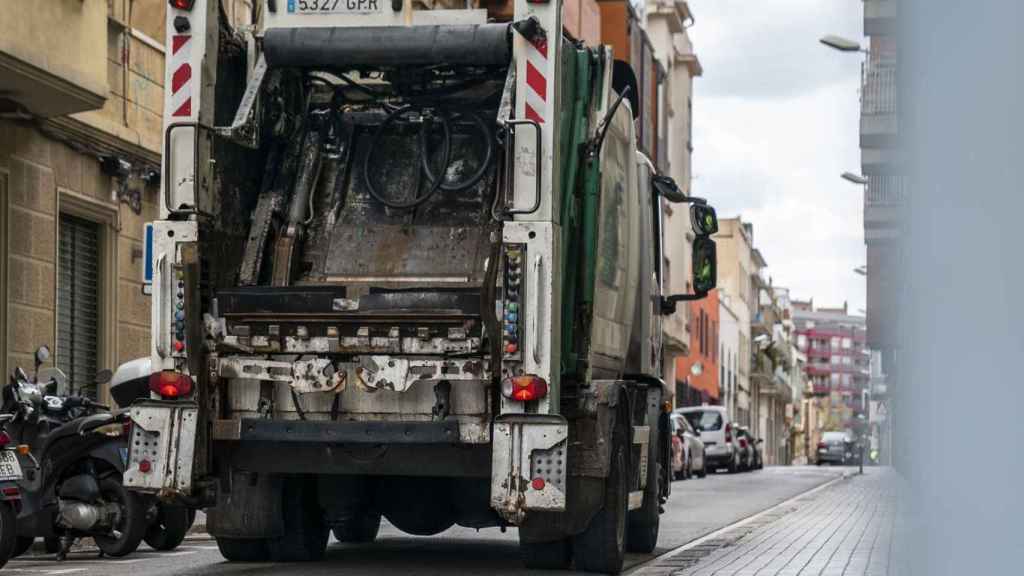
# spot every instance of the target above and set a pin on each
(42, 355)
(760, 440)
(666, 187)
(104, 376)
(705, 265)
(703, 219)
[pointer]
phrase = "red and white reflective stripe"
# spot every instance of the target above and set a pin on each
(536, 102)
(181, 77)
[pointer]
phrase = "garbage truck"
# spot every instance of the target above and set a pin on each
(408, 265)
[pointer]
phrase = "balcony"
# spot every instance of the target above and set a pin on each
(879, 17)
(884, 199)
(879, 120)
(53, 58)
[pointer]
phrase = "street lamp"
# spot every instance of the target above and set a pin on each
(855, 178)
(841, 44)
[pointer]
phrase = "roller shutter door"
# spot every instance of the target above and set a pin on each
(78, 302)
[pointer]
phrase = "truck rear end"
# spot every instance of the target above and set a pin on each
(374, 281)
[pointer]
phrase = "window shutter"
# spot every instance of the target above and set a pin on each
(78, 303)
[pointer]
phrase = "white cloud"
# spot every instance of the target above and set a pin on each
(775, 122)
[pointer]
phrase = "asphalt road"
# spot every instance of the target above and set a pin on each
(697, 507)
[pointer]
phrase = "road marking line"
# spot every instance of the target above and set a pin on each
(651, 564)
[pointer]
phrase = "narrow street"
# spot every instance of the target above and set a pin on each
(697, 508)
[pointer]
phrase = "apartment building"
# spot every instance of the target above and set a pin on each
(728, 353)
(838, 367)
(738, 265)
(81, 107)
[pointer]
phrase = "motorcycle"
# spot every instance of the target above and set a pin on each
(10, 493)
(79, 447)
(167, 522)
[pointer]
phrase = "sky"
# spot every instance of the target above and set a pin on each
(776, 121)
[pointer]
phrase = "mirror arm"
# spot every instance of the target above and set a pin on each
(668, 303)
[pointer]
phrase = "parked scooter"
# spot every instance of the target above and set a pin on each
(167, 522)
(10, 493)
(74, 489)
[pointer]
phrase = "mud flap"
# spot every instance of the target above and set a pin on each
(164, 436)
(529, 465)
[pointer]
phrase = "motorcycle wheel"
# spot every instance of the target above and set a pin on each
(169, 528)
(132, 526)
(8, 532)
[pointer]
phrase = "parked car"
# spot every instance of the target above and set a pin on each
(691, 449)
(836, 448)
(717, 434)
(750, 449)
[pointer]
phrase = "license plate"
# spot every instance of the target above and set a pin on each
(10, 469)
(334, 6)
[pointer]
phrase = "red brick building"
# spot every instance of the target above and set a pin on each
(697, 374)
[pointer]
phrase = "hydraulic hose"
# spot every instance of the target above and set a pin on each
(435, 183)
(485, 132)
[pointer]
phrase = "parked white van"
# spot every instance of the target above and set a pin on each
(718, 435)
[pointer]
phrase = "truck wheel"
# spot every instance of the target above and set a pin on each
(644, 522)
(305, 532)
(8, 532)
(243, 549)
(131, 526)
(360, 528)
(169, 528)
(602, 546)
(554, 555)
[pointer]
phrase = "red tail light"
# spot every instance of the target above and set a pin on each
(183, 4)
(524, 388)
(5, 439)
(170, 385)
(822, 445)
(743, 442)
(728, 432)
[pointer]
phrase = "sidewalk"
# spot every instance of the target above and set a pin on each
(844, 529)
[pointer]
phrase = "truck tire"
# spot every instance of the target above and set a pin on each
(243, 549)
(645, 522)
(554, 555)
(169, 528)
(602, 546)
(133, 519)
(305, 534)
(360, 528)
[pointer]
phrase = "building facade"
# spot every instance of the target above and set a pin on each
(728, 354)
(665, 29)
(697, 374)
(81, 109)
(838, 368)
(736, 270)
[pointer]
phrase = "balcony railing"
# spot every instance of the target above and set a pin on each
(879, 95)
(885, 190)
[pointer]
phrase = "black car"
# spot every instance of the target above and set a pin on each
(836, 448)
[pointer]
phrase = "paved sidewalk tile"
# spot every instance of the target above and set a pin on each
(843, 530)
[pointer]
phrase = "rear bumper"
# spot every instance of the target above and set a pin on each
(316, 432)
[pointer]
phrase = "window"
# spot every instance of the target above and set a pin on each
(78, 302)
(834, 378)
(847, 343)
(704, 420)
(835, 342)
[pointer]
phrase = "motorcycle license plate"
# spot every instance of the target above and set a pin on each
(10, 469)
(334, 6)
